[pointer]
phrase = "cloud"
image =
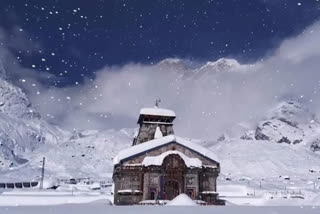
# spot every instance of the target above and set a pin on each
(302, 47)
(207, 103)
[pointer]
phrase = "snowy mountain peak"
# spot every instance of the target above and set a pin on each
(172, 63)
(293, 110)
(221, 65)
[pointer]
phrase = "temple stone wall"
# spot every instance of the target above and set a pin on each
(147, 131)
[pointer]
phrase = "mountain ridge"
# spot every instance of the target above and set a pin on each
(26, 137)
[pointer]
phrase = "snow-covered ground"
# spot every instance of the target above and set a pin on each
(260, 173)
(39, 199)
(101, 208)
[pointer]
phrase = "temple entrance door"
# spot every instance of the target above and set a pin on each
(171, 189)
(173, 171)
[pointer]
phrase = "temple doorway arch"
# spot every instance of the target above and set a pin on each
(171, 189)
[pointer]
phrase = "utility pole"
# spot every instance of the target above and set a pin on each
(42, 172)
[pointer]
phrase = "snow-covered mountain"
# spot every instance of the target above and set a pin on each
(290, 122)
(21, 127)
(286, 142)
(195, 71)
(85, 154)
(172, 64)
(211, 68)
(25, 138)
(221, 65)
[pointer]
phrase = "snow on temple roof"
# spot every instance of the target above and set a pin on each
(158, 112)
(158, 160)
(152, 144)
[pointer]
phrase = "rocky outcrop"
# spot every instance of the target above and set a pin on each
(21, 127)
(289, 122)
(279, 131)
(14, 103)
(315, 146)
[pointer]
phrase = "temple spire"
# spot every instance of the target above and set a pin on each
(158, 101)
(154, 123)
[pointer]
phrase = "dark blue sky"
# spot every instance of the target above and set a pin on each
(74, 38)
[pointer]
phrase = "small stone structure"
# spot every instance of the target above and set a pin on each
(160, 165)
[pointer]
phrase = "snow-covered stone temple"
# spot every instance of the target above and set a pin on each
(159, 165)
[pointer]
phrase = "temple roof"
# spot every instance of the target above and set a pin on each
(156, 143)
(157, 112)
(158, 160)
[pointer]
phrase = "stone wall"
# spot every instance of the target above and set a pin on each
(126, 180)
(147, 131)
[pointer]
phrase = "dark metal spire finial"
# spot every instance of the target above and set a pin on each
(158, 101)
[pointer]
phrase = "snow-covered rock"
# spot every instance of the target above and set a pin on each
(290, 122)
(171, 64)
(14, 102)
(315, 145)
(21, 127)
